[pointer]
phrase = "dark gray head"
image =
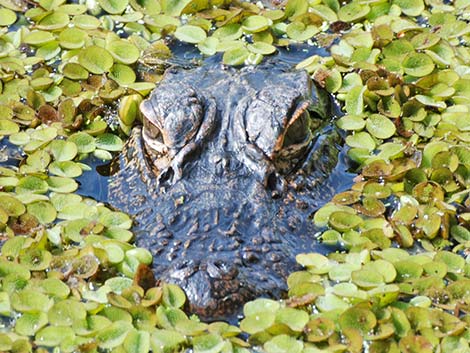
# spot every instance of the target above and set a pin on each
(256, 116)
(229, 164)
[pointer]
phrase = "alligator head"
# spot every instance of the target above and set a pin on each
(223, 178)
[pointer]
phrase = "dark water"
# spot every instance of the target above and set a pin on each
(292, 54)
(94, 183)
(10, 155)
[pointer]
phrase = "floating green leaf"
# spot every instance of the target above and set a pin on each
(114, 7)
(30, 301)
(260, 306)
(454, 262)
(174, 7)
(354, 100)
(418, 64)
(236, 56)
(367, 278)
(109, 142)
(123, 51)
(95, 59)
(11, 205)
(63, 150)
(75, 71)
(190, 34)
(344, 221)
(65, 169)
(163, 341)
(31, 184)
(301, 32)
(29, 323)
(210, 343)
(66, 312)
(410, 7)
(86, 22)
(72, 38)
(412, 344)
(173, 296)
(316, 262)
(283, 344)
(61, 184)
(353, 11)
(53, 21)
(230, 31)
(293, 318)
(359, 318)
(256, 23)
(137, 342)
(43, 211)
(122, 74)
(380, 126)
(319, 329)
(7, 17)
(8, 127)
(54, 336)
(361, 140)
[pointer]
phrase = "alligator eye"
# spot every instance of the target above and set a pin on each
(153, 137)
(172, 116)
(299, 131)
(295, 140)
(151, 130)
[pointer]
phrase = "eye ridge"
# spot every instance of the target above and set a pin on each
(300, 113)
(294, 149)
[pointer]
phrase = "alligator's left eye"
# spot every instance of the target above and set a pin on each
(298, 131)
(172, 117)
(295, 139)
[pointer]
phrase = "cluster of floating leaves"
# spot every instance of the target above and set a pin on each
(73, 75)
(385, 300)
(403, 82)
(59, 308)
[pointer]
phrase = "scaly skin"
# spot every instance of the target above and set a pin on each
(221, 194)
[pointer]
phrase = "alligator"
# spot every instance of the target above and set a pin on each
(223, 177)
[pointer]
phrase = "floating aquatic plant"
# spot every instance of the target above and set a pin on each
(71, 79)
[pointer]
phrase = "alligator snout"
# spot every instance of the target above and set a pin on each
(214, 287)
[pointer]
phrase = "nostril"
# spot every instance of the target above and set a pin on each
(166, 176)
(271, 181)
(275, 184)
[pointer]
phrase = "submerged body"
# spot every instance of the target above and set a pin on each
(223, 178)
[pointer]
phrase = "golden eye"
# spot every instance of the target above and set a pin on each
(298, 131)
(153, 137)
